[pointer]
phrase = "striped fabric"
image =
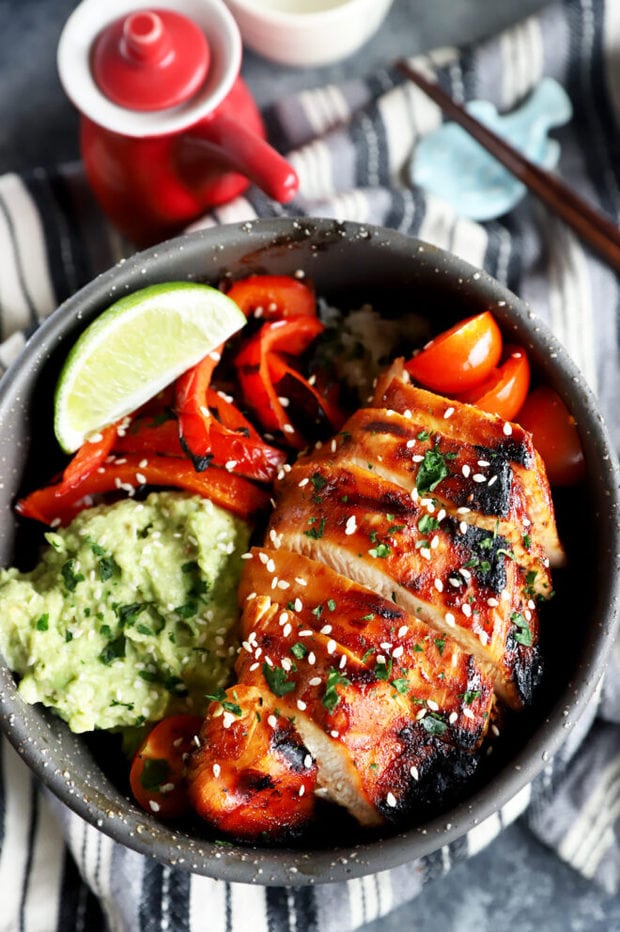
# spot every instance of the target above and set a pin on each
(351, 145)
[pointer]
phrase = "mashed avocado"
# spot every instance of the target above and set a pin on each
(131, 613)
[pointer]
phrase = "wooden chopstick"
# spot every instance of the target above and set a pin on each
(593, 228)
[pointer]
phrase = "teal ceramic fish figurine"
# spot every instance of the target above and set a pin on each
(452, 165)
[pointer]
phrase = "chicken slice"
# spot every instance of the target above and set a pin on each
(479, 487)
(251, 777)
(461, 580)
(501, 442)
(386, 724)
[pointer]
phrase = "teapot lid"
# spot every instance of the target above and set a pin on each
(150, 59)
(191, 94)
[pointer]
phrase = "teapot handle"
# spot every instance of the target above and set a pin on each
(240, 149)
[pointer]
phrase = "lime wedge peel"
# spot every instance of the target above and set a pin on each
(132, 350)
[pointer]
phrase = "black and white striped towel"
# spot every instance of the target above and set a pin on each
(351, 145)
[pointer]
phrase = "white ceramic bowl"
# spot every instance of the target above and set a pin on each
(307, 32)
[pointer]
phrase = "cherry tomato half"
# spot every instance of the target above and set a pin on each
(505, 390)
(459, 358)
(554, 431)
(157, 775)
(273, 297)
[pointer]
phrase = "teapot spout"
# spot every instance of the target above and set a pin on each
(222, 154)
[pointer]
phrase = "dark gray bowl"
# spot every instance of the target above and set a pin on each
(350, 264)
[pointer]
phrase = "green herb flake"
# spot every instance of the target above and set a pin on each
(299, 650)
(277, 681)
(434, 726)
(440, 643)
(70, 576)
(470, 696)
(432, 470)
(318, 481)
(524, 633)
(380, 551)
(401, 685)
(427, 523)
(331, 698)
(43, 622)
(316, 532)
(114, 650)
(220, 696)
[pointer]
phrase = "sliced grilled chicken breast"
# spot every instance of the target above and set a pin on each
(394, 599)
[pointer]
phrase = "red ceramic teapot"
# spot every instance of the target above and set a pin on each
(168, 127)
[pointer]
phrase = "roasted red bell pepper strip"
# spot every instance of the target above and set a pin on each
(292, 337)
(147, 435)
(273, 297)
(207, 441)
(90, 455)
(312, 403)
(58, 504)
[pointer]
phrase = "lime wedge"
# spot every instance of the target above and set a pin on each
(134, 349)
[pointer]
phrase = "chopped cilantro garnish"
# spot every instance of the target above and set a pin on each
(299, 650)
(380, 551)
(432, 470)
(70, 576)
(331, 698)
(277, 681)
(316, 532)
(43, 622)
(434, 726)
(220, 696)
(427, 523)
(440, 643)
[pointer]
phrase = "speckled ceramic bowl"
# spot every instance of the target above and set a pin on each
(349, 264)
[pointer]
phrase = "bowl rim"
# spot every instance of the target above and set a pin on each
(289, 866)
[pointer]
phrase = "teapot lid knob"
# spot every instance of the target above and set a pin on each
(150, 60)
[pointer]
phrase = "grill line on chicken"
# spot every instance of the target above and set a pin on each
(389, 616)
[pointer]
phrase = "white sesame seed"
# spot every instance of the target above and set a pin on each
(303, 482)
(432, 705)
(466, 609)
(311, 658)
(301, 705)
(286, 630)
(448, 412)
(153, 805)
(216, 770)
(492, 602)
(272, 720)
(420, 715)
(452, 718)
(331, 646)
(478, 477)
(308, 760)
(402, 631)
(315, 681)
(450, 619)
(334, 734)
(326, 629)
(391, 800)
(351, 525)
(288, 429)
(468, 713)
(507, 428)
(301, 581)
(254, 667)
(465, 470)
(415, 773)
(438, 584)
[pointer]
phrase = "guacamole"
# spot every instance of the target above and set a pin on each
(131, 613)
